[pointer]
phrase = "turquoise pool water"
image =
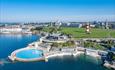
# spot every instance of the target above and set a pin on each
(30, 54)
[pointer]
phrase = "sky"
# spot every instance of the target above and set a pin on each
(52, 10)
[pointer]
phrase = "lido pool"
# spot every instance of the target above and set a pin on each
(30, 54)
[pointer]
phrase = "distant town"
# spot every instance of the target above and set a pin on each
(26, 27)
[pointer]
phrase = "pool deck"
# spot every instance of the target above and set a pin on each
(50, 54)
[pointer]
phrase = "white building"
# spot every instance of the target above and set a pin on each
(10, 30)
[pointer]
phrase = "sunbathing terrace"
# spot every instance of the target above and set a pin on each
(41, 52)
(51, 38)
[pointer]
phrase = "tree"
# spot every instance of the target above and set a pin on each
(52, 30)
(110, 43)
(37, 29)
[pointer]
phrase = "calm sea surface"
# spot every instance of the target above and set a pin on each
(9, 43)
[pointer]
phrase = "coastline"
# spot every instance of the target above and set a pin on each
(50, 54)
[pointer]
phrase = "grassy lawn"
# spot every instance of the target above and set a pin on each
(95, 33)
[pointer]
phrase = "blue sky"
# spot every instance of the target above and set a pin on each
(52, 10)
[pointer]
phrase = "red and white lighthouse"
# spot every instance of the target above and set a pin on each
(88, 28)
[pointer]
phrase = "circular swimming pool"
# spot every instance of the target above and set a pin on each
(29, 55)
